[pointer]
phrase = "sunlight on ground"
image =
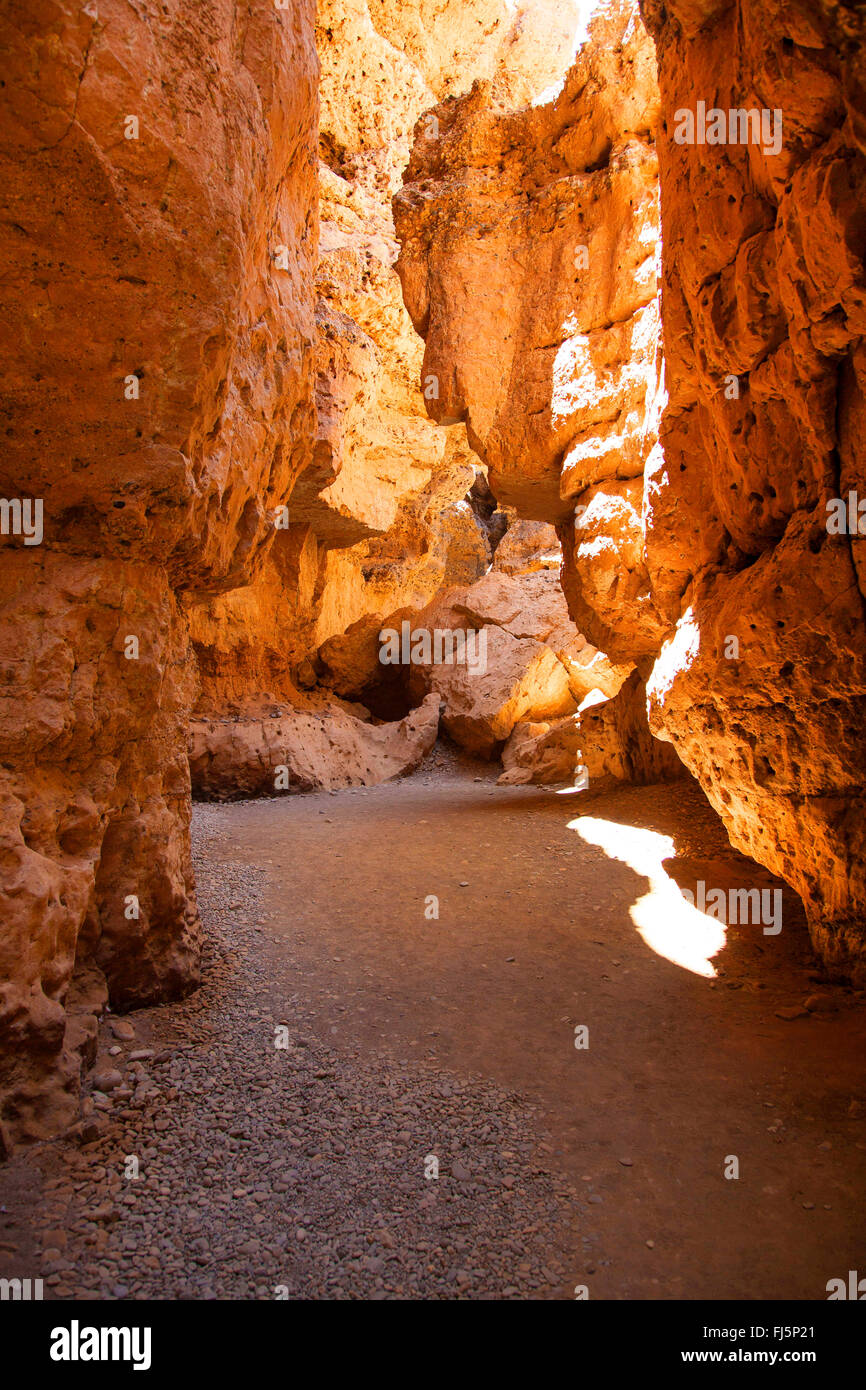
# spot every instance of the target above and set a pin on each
(669, 924)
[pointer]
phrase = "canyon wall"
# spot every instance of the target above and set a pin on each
(529, 258)
(227, 434)
(377, 522)
(157, 361)
(762, 686)
(694, 514)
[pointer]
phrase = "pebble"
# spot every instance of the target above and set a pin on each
(107, 1080)
(122, 1028)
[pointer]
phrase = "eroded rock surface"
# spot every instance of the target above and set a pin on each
(306, 751)
(158, 400)
(529, 264)
(377, 519)
(699, 548)
(764, 300)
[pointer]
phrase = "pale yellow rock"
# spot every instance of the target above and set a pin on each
(301, 751)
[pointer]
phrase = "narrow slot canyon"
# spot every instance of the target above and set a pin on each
(432, 759)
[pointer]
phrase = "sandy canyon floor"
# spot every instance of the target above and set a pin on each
(414, 1041)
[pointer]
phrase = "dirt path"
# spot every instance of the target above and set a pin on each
(414, 1036)
(534, 936)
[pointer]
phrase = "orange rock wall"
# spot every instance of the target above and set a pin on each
(764, 309)
(693, 514)
(159, 168)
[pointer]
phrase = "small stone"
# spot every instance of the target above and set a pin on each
(105, 1212)
(122, 1029)
(459, 1172)
(626, 1162)
(107, 1080)
(651, 1245)
(88, 1131)
(790, 1014)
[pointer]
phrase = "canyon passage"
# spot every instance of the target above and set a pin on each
(432, 750)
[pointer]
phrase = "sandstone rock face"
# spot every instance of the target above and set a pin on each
(524, 659)
(542, 753)
(533, 605)
(617, 744)
(526, 547)
(699, 548)
(303, 751)
(528, 264)
(514, 678)
(158, 164)
(377, 519)
(607, 741)
(762, 686)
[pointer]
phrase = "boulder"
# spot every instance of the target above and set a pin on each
(300, 750)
